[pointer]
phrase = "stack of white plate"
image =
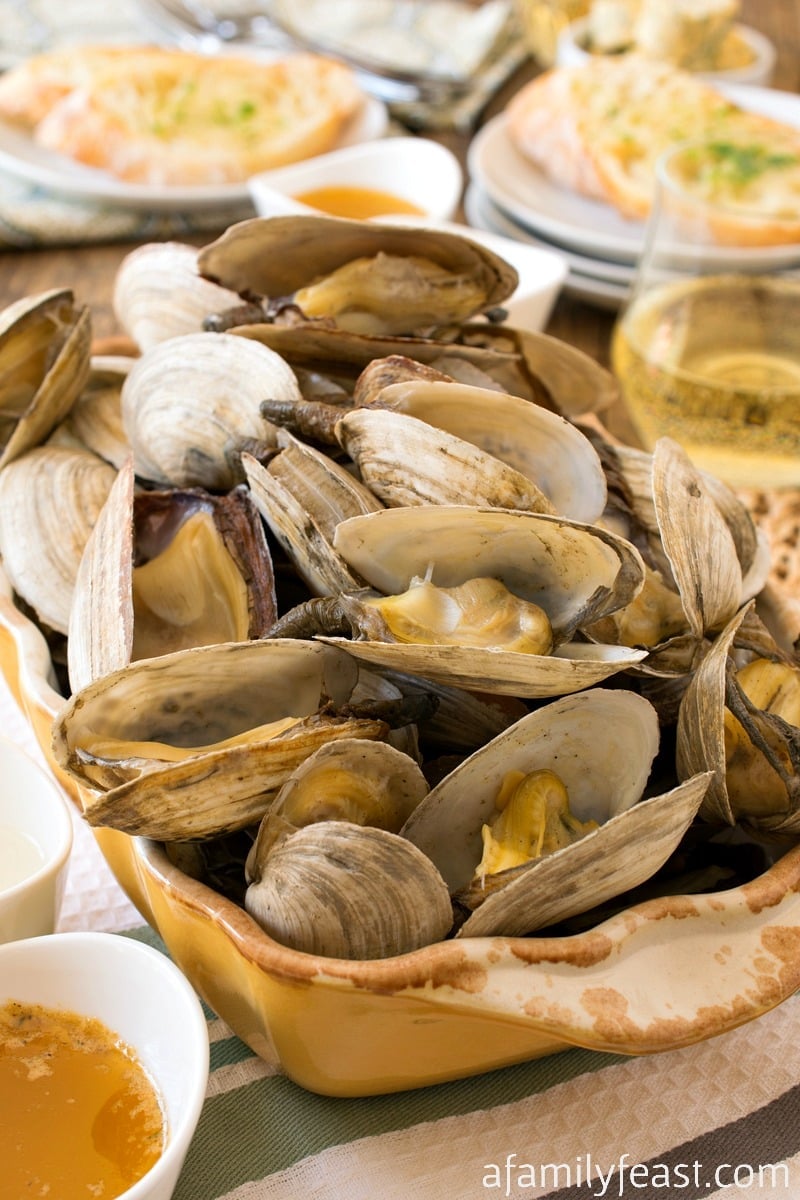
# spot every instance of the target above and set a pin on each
(509, 195)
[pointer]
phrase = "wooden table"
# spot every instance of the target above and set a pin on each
(90, 271)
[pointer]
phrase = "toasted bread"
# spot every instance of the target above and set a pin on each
(169, 117)
(600, 128)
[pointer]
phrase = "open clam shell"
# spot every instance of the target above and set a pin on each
(166, 570)
(574, 572)
(703, 549)
(406, 461)
(50, 499)
(44, 363)
(762, 749)
(366, 783)
(174, 747)
(278, 257)
(601, 744)
(539, 444)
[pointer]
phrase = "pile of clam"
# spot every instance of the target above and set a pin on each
(346, 578)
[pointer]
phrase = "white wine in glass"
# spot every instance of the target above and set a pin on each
(707, 350)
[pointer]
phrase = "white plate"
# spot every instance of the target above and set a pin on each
(483, 213)
(525, 193)
(582, 284)
(22, 158)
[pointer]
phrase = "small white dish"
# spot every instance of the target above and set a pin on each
(571, 51)
(35, 844)
(417, 170)
(141, 996)
(541, 272)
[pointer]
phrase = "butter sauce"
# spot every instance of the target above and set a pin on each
(357, 203)
(79, 1116)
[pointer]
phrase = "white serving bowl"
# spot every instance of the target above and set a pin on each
(139, 994)
(417, 170)
(571, 51)
(35, 817)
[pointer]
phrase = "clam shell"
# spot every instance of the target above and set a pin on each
(520, 362)
(601, 744)
(348, 891)
(44, 363)
(197, 698)
(192, 402)
(50, 499)
(95, 418)
(539, 444)
(303, 495)
(574, 572)
(134, 528)
(701, 738)
(354, 780)
(704, 544)
(159, 293)
(406, 461)
(276, 256)
(697, 540)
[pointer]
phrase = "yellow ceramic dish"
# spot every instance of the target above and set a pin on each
(661, 975)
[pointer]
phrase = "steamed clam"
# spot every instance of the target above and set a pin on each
(580, 767)
(159, 293)
(488, 447)
(190, 403)
(406, 461)
(741, 716)
(198, 742)
(542, 446)
(520, 362)
(704, 558)
(44, 364)
(164, 571)
(50, 499)
(365, 278)
(328, 874)
(95, 419)
(555, 576)
(303, 495)
(350, 891)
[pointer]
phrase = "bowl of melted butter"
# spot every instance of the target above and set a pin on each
(408, 176)
(103, 1068)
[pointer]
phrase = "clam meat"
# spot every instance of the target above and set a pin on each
(548, 819)
(542, 566)
(361, 277)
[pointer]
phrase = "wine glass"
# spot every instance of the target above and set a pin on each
(707, 348)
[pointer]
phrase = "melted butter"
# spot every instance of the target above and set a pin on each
(357, 203)
(79, 1116)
